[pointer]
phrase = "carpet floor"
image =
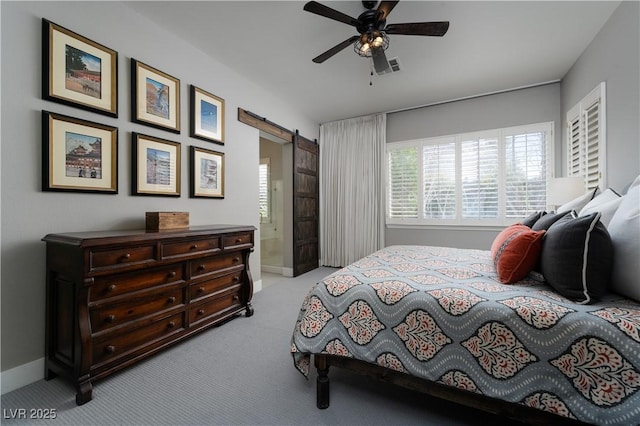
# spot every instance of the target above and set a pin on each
(240, 373)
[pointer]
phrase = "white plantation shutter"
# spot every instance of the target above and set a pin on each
(592, 139)
(586, 139)
(439, 175)
(264, 192)
(490, 178)
(403, 183)
(574, 167)
(525, 173)
(479, 170)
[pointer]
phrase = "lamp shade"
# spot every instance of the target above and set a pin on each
(564, 189)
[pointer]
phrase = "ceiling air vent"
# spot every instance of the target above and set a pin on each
(394, 63)
(394, 66)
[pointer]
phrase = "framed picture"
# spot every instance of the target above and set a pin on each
(207, 173)
(77, 71)
(155, 166)
(207, 115)
(78, 155)
(155, 97)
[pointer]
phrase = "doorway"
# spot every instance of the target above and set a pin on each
(300, 194)
(274, 200)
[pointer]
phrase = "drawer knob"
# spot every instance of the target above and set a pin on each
(202, 267)
(112, 287)
(238, 240)
(109, 349)
(110, 318)
(171, 299)
(200, 312)
(171, 324)
(200, 289)
(236, 259)
(236, 298)
(126, 256)
(195, 246)
(236, 278)
(172, 274)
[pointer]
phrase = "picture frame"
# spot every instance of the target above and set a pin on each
(77, 71)
(155, 97)
(206, 173)
(206, 113)
(78, 155)
(155, 166)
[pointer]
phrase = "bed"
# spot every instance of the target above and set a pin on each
(442, 321)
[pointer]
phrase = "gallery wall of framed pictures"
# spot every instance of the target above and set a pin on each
(82, 156)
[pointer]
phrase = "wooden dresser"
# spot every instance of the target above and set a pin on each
(114, 298)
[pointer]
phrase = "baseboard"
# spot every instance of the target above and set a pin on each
(22, 375)
(272, 269)
(287, 272)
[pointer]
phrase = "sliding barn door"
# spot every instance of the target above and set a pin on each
(305, 205)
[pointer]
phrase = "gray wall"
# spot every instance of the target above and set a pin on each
(28, 214)
(525, 106)
(613, 57)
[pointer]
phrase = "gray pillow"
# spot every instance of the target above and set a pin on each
(624, 229)
(532, 218)
(577, 257)
(547, 220)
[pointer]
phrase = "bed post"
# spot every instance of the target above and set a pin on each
(322, 382)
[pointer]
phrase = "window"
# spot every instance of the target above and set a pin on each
(265, 184)
(586, 138)
(492, 177)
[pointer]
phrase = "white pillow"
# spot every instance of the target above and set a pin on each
(579, 202)
(606, 203)
(624, 230)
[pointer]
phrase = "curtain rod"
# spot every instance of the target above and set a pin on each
(497, 92)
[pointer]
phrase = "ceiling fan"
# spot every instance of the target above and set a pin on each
(372, 26)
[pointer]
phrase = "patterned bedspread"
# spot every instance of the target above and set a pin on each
(441, 314)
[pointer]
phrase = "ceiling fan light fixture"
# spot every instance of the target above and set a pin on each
(363, 45)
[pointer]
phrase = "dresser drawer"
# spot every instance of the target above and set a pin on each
(110, 316)
(190, 247)
(121, 257)
(209, 287)
(115, 345)
(213, 264)
(239, 239)
(215, 308)
(116, 285)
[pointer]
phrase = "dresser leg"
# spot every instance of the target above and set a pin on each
(249, 311)
(85, 392)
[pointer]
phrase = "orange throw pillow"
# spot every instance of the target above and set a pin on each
(515, 252)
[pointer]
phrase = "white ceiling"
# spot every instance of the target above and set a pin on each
(490, 46)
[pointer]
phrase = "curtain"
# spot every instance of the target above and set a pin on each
(351, 189)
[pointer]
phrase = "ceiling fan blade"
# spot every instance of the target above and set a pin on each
(437, 29)
(380, 63)
(327, 12)
(335, 49)
(386, 7)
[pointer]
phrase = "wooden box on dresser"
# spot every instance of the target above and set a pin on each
(116, 297)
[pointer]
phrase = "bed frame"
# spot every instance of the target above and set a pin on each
(520, 413)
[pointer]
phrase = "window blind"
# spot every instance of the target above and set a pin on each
(403, 183)
(485, 178)
(263, 193)
(586, 139)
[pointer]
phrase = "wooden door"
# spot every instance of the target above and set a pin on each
(305, 205)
